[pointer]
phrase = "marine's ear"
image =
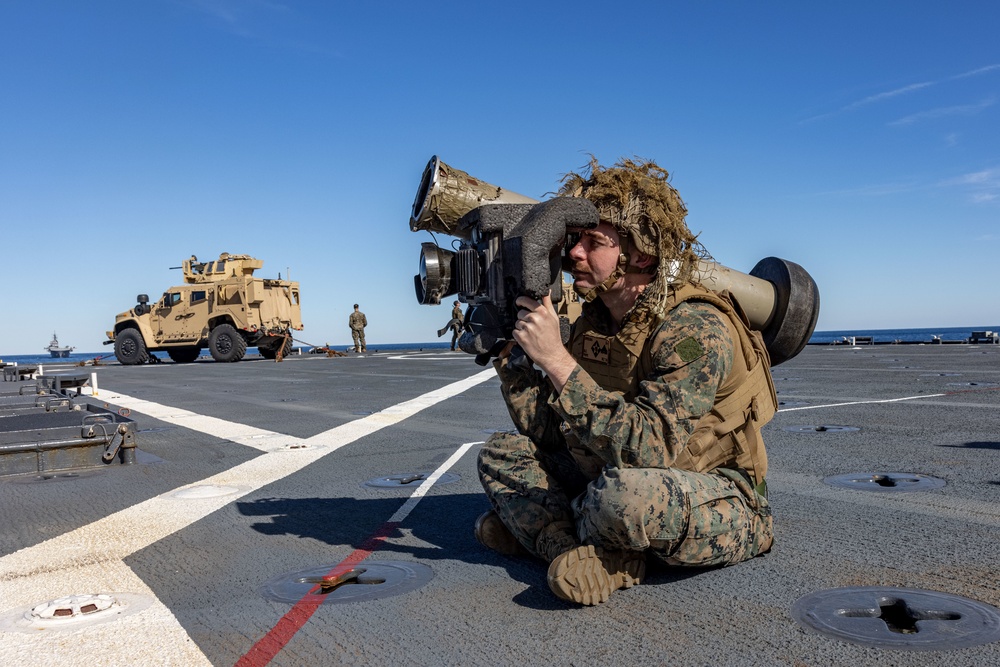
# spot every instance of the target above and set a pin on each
(643, 261)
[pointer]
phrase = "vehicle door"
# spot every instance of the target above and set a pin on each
(172, 314)
(195, 316)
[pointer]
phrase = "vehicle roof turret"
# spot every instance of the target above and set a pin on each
(226, 267)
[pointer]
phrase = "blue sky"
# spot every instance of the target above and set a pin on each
(858, 139)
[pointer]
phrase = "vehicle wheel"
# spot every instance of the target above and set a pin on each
(184, 355)
(130, 348)
(269, 350)
(226, 344)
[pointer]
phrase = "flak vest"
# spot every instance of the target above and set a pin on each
(728, 436)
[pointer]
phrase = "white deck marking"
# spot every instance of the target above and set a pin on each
(882, 400)
(430, 356)
(426, 485)
(250, 436)
(90, 558)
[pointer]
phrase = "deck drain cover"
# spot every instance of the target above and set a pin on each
(409, 480)
(886, 481)
(898, 618)
(821, 428)
(790, 404)
(375, 580)
(296, 447)
(73, 611)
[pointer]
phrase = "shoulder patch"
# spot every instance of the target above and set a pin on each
(689, 349)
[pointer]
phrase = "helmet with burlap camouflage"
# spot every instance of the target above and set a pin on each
(636, 198)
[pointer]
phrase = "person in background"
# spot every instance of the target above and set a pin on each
(357, 322)
(457, 316)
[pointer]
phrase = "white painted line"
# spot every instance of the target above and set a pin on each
(426, 485)
(89, 559)
(250, 436)
(838, 405)
(432, 356)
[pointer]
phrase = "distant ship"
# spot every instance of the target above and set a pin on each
(57, 351)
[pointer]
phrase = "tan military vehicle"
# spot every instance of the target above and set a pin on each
(221, 306)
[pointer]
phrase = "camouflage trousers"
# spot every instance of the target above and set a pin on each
(681, 517)
(359, 338)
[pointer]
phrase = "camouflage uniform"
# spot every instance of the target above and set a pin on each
(456, 327)
(357, 321)
(602, 461)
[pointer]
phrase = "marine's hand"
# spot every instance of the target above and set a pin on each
(537, 332)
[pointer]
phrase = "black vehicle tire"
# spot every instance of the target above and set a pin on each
(184, 355)
(130, 348)
(270, 350)
(226, 344)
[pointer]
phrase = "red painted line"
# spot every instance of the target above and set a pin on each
(268, 646)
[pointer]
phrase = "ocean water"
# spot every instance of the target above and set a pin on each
(818, 338)
(902, 335)
(107, 355)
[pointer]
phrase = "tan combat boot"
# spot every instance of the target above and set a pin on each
(589, 575)
(493, 534)
(556, 539)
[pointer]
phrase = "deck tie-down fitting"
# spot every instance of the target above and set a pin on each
(886, 480)
(408, 479)
(328, 584)
(899, 616)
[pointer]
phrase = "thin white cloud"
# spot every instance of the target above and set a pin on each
(266, 21)
(236, 14)
(888, 95)
(985, 176)
(905, 90)
(930, 114)
(983, 186)
(977, 71)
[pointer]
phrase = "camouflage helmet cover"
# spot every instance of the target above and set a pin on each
(636, 198)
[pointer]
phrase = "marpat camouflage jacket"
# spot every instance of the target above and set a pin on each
(648, 432)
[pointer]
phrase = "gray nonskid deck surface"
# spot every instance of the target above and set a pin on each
(925, 410)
